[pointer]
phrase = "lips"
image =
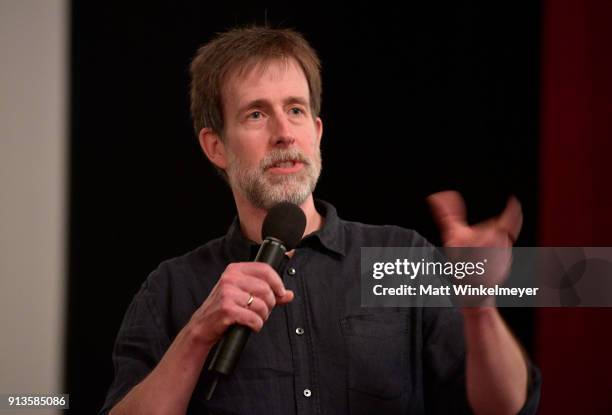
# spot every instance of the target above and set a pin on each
(286, 166)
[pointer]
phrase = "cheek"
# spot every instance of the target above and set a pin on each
(243, 142)
(313, 140)
(247, 152)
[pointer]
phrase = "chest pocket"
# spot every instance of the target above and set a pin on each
(377, 362)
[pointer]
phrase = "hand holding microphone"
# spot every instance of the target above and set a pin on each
(244, 296)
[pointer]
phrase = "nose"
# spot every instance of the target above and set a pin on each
(281, 131)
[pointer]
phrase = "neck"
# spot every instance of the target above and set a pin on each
(251, 218)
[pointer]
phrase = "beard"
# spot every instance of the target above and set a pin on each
(264, 189)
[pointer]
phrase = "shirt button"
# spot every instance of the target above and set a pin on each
(307, 393)
(291, 271)
(299, 331)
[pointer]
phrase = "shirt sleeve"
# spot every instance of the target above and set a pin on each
(445, 379)
(533, 392)
(140, 344)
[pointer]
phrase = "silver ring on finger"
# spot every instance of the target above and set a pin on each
(250, 300)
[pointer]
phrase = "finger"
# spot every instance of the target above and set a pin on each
(258, 306)
(266, 273)
(257, 287)
(511, 219)
(448, 210)
(247, 317)
(490, 234)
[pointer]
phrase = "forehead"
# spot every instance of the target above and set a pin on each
(270, 79)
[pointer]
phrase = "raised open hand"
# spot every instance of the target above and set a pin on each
(500, 232)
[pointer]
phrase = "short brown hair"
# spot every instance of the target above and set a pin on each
(241, 49)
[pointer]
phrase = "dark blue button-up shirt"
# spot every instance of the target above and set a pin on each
(321, 354)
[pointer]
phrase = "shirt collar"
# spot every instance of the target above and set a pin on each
(330, 236)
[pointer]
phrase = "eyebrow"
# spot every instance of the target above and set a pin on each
(266, 103)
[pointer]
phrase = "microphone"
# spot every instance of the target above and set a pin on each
(282, 230)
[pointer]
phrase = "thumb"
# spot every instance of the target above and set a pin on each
(287, 298)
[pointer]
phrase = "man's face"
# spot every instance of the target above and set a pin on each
(271, 139)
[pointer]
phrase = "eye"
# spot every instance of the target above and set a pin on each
(255, 115)
(296, 111)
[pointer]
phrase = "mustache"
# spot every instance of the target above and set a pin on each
(280, 156)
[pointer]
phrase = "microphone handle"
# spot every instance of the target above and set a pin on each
(229, 349)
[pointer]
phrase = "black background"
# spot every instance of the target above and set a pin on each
(416, 98)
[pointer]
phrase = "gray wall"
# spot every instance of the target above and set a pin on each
(33, 159)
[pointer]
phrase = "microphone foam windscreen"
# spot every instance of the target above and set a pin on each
(286, 222)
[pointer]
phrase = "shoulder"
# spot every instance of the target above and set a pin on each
(198, 259)
(383, 235)
(174, 290)
(357, 234)
(199, 266)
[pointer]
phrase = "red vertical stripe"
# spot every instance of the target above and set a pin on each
(574, 346)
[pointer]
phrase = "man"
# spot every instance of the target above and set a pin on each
(256, 96)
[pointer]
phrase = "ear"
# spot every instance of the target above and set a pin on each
(319, 129)
(213, 147)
